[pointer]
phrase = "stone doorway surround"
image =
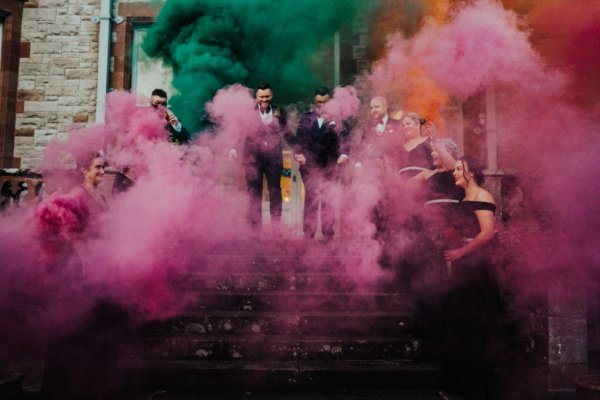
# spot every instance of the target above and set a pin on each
(11, 16)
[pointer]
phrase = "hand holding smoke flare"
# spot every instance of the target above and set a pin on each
(171, 118)
(430, 130)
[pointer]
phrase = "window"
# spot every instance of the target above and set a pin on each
(146, 73)
(1, 30)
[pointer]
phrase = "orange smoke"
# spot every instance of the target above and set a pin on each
(438, 10)
(522, 7)
(416, 91)
(425, 97)
(392, 17)
(400, 16)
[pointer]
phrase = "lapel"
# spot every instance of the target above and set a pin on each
(318, 132)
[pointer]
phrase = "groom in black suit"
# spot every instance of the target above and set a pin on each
(262, 155)
(321, 148)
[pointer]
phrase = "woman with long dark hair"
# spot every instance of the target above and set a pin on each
(476, 211)
(478, 329)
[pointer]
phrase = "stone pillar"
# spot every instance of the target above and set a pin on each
(567, 334)
(559, 334)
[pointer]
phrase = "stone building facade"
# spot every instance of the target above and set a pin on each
(58, 62)
(57, 75)
(55, 70)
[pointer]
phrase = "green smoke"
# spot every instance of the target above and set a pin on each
(213, 43)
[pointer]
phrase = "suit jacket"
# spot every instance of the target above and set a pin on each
(393, 127)
(323, 145)
(180, 137)
(382, 148)
(268, 139)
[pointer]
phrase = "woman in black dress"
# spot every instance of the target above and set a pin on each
(477, 328)
(417, 146)
(475, 216)
(439, 182)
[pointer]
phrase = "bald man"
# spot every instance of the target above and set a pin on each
(382, 137)
(381, 123)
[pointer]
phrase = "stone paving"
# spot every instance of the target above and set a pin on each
(293, 396)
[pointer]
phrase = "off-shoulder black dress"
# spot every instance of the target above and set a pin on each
(476, 347)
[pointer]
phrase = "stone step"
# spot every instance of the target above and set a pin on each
(264, 281)
(279, 323)
(188, 376)
(292, 247)
(305, 301)
(283, 263)
(277, 347)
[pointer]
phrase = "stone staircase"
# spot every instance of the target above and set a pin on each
(279, 319)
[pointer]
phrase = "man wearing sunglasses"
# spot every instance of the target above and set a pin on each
(177, 132)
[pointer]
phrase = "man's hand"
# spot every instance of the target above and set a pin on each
(172, 118)
(342, 159)
(300, 158)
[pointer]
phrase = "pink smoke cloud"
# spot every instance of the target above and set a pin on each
(544, 127)
(343, 105)
(234, 110)
(188, 201)
(62, 215)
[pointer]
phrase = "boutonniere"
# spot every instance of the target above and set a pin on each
(332, 123)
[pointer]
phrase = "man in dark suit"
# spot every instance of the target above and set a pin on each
(177, 132)
(262, 155)
(321, 147)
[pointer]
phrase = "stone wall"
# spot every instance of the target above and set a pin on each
(58, 73)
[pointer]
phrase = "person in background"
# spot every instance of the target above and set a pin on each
(417, 147)
(381, 122)
(177, 132)
(439, 182)
(7, 195)
(8, 198)
(321, 147)
(123, 181)
(92, 170)
(382, 138)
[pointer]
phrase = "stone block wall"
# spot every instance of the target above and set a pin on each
(557, 331)
(58, 73)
